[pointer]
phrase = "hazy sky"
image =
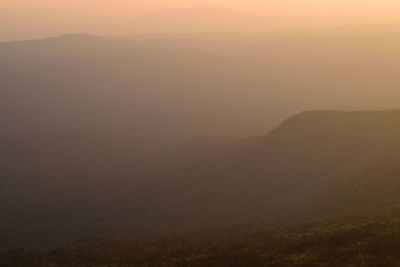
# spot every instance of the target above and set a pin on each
(21, 19)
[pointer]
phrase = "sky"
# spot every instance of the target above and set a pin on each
(24, 19)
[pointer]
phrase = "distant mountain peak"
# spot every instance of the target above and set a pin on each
(195, 19)
(199, 10)
(72, 37)
(75, 37)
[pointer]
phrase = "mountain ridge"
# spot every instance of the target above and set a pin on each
(196, 19)
(314, 163)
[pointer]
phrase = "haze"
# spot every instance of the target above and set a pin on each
(200, 133)
(24, 19)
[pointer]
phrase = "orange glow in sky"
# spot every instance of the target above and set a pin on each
(34, 18)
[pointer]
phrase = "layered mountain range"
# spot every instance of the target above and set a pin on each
(153, 135)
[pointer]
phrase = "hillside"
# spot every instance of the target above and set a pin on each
(199, 133)
(287, 169)
(315, 163)
(339, 241)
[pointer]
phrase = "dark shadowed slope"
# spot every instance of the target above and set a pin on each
(339, 241)
(316, 162)
(283, 172)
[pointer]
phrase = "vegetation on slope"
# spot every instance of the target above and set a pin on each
(337, 241)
